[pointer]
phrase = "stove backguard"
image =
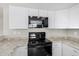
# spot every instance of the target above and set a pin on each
(37, 36)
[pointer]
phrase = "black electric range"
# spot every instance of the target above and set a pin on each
(38, 45)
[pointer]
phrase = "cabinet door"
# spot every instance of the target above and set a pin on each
(33, 12)
(51, 19)
(57, 49)
(26, 18)
(18, 17)
(43, 13)
(61, 19)
(67, 50)
(20, 51)
(74, 17)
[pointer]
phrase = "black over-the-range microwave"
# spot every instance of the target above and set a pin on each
(38, 22)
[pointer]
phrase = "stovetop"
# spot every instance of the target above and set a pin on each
(39, 43)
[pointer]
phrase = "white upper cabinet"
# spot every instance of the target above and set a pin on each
(74, 17)
(61, 19)
(43, 13)
(33, 12)
(18, 17)
(51, 19)
(26, 18)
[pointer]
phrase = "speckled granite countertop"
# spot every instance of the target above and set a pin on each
(9, 44)
(70, 41)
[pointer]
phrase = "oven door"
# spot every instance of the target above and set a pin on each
(37, 51)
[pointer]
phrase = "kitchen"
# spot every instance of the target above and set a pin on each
(62, 27)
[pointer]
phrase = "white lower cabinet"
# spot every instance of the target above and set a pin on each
(57, 49)
(70, 51)
(67, 50)
(20, 51)
(62, 49)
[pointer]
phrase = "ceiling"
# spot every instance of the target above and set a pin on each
(46, 6)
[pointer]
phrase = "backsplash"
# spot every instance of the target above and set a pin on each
(73, 32)
(49, 33)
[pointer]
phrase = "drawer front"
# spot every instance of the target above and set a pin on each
(57, 44)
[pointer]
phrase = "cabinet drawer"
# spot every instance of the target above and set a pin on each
(57, 44)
